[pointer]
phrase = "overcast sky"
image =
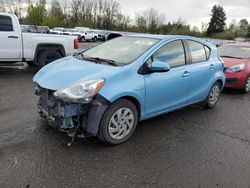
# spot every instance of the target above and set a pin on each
(194, 12)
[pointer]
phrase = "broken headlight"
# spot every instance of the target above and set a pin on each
(80, 92)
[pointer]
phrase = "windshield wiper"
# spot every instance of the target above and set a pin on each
(95, 59)
(227, 56)
(99, 60)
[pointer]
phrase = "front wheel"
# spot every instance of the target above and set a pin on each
(118, 122)
(213, 95)
(246, 88)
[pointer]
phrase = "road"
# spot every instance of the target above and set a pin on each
(192, 147)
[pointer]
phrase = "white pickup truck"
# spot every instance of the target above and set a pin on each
(33, 48)
(91, 35)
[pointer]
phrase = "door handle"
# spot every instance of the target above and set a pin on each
(13, 37)
(186, 74)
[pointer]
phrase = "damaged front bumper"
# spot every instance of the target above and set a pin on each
(80, 119)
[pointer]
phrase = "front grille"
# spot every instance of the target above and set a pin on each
(231, 81)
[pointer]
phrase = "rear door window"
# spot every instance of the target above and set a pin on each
(198, 52)
(5, 23)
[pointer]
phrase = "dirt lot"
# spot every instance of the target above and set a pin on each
(191, 147)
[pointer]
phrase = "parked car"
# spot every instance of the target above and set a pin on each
(57, 30)
(107, 89)
(80, 33)
(69, 31)
(43, 29)
(33, 48)
(29, 28)
(91, 35)
(236, 59)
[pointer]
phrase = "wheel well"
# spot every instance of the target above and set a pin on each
(135, 102)
(41, 47)
(220, 82)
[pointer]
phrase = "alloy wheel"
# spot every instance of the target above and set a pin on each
(247, 86)
(214, 95)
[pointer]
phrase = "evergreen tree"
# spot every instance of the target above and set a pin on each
(217, 22)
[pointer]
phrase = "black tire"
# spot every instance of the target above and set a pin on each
(95, 39)
(104, 134)
(31, 64)
(83, 39)
(209, 103)
(47, 56)
(246, 88)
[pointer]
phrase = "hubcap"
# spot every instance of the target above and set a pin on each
(121, 123)
(214, 94)
(248, 85)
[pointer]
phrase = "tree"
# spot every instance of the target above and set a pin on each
(243, 28)
(217, 23)
(36, 13)
(55, 15)
(2, 6)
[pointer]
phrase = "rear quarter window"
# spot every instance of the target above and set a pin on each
(5, 23)
(208, 52)
(199, 53)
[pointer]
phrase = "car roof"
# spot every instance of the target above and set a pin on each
(168, 37)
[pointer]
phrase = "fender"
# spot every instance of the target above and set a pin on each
(43, 46)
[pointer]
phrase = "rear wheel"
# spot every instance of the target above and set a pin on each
(95, 39)
(47, 56)
(246, 88)
(118, 122)
(213, 95)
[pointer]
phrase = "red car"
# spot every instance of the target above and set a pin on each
(236, 59)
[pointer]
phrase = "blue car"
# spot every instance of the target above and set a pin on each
(106, 90)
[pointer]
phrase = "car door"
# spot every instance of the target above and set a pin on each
(202, 71)
(10, 45)
(167, 90)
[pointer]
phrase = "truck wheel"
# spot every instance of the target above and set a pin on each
(95, 39)
(47, 56)
(83, 39)
(118, 122)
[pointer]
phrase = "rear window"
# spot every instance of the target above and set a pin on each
(5, 23)
(198, 52)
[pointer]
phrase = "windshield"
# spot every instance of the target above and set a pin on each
(122, 50)
(240, 52)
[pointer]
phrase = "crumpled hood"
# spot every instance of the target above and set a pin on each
(67, 71)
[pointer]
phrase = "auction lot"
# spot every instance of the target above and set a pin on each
(192, 147)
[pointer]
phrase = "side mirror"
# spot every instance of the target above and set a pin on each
(159, 66)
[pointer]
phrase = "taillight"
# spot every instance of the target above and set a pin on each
(76, 44)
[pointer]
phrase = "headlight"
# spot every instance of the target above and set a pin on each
(236, 68)
(81, 92)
